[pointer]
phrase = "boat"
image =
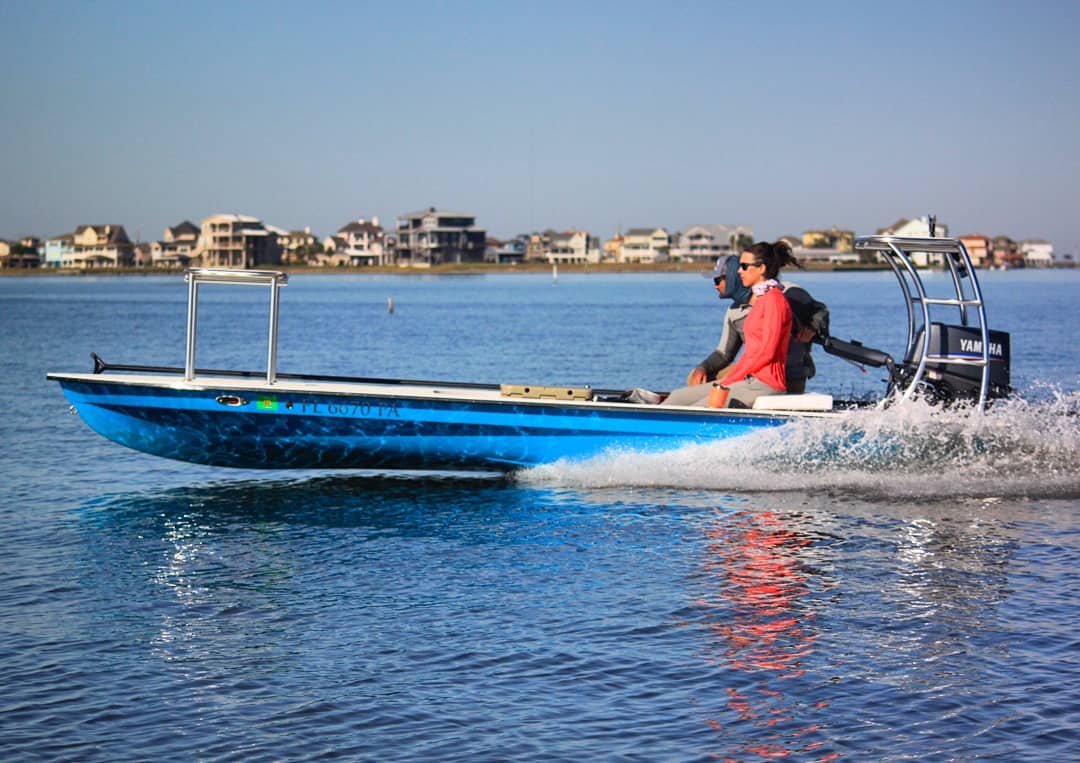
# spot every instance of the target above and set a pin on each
(269, 420)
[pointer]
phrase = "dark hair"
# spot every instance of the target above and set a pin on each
(774, 256)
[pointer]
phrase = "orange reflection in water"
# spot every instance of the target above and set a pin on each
(757, 582)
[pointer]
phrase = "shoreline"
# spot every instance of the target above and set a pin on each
(472, 268)
(477, 268)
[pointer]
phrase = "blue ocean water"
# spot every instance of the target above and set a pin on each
(785, 598)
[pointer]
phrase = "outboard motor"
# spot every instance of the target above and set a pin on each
(942, 382)
(953, 381)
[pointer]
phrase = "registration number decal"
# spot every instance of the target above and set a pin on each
(381, 409)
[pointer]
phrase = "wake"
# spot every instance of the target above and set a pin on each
(1017, 448)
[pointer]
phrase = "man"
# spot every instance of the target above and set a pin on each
(811, 319)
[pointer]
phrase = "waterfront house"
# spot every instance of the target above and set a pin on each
(1037, 253)
(980, 249)
(20, 254)
(356, 244)
(705, 243)
(538, 245)
(833, 238)
(613, 248)
(333, 253)
(298, 246)
(574, 246)
(918, 227)
(645, 245)
(177, 246)
(1007, 253)
(142, 255)
(236, 241)
(433, 237)
(509, 252)
(91, 246)
(60, 251)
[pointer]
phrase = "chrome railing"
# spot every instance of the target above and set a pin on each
(965, 296)
(272, 278)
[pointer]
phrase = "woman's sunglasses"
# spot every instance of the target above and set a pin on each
(748, 265)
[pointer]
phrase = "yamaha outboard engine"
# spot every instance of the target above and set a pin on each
(942, 382)
(954, 381)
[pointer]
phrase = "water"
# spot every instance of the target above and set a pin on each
(904, 595)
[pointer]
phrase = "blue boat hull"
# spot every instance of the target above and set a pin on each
(272, 428)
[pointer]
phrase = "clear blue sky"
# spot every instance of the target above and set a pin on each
(779, 115)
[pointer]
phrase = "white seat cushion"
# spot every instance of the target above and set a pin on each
(810, 401)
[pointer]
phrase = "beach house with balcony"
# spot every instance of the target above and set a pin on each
(918, 227)
(573, 246)
(297, 246)
(645, 245)
(705, 243)
(236, 241)
(1007, 253)
(58, 250)
(980, 249)
(90, 247)
(833, 238)
(510, 252)
(177, 246)
(437, 237)
(357, 244)
(22, 254)
(1037, 253)
(538, 245)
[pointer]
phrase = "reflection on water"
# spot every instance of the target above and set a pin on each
(905, 658)
(756, 571)
(838, 627)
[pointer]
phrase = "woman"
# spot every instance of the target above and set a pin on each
(766, 330)
(762, 368)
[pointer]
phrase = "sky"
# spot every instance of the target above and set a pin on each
(603, 116)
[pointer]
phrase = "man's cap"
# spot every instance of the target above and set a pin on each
(719, 269)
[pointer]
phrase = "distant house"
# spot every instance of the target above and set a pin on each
(1037, 253)
(177, 247)
(705, 243)
(980, 249)
(356, 244)
(433, 237)
(20, 254)
(645, 245)
(1007, 253)
(573, 246)
(297, 246)
(236, 241)
(142, 255)
(613, 248)
(60, 251)
(834, 238)
(538, 245)
(506, 252)
(91, 246)
(918, 227)
(333, 253)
